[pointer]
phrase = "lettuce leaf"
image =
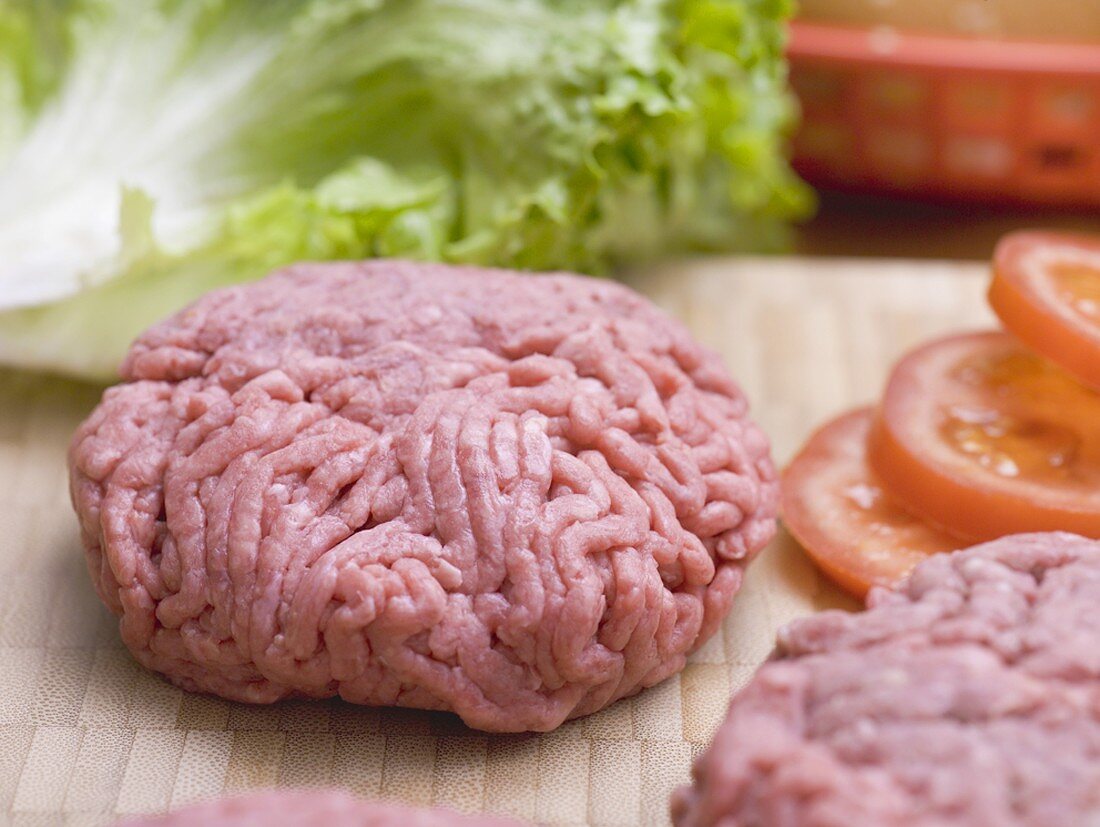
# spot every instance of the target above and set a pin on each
(151, 150)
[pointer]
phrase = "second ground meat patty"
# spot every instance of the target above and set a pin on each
(516, 497)
(969, 697)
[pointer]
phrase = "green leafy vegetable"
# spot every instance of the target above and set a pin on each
(153, 149)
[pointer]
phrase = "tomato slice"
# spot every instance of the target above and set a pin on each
(983, 437)
(1046, 290)
(835, 508)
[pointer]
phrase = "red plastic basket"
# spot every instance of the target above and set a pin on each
(947, 117)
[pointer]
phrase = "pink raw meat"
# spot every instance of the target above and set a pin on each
(516, 497)
(969, 697)
(305, 809)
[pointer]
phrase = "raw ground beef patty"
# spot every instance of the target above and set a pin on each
(310, 809)
(516, 497)
(969, 697)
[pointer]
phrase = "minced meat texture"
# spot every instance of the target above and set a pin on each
(516, 497)
(968, 697)
(320, 808)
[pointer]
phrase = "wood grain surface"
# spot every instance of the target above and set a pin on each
(86, 735)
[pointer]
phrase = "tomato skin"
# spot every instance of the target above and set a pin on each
(832, 504)
(1025, 296)
(917, 465)
(908, 481)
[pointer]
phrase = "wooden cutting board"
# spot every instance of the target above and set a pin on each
(86, 735)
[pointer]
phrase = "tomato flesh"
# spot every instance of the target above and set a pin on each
(834, 506)
(1046, 291)
(982, 437)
